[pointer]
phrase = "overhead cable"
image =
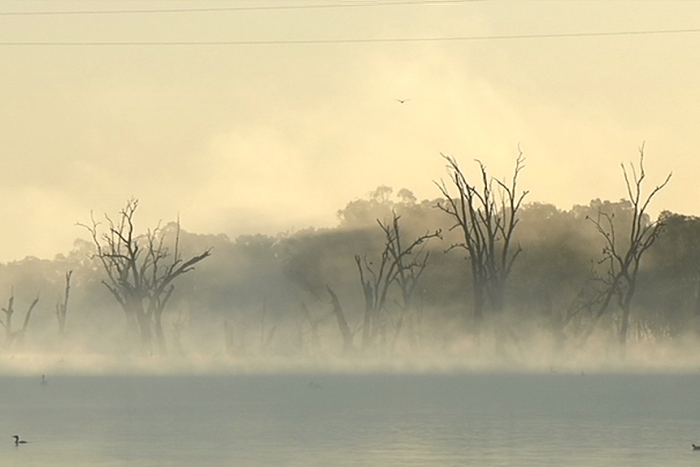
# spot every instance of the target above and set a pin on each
(646, 32)
(322, 6)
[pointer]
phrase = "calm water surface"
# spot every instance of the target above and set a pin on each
(352, 420)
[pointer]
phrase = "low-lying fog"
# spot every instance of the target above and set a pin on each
(536, 358)
(334, 300)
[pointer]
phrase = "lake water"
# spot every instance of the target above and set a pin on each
(467, 419)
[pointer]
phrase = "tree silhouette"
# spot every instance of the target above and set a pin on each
(486, 217)
(140, 272)
(622, 256)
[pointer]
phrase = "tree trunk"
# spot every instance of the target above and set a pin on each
(369, 322)
(342, 323)
(145, 332)
(160, 335)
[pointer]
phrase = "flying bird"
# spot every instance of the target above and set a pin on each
(402, 101)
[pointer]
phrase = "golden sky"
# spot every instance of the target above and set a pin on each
(267, 116)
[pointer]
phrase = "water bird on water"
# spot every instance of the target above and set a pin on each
(18, 441)
(695, 447)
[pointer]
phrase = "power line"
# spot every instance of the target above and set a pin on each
(350, 41)
(323, 6)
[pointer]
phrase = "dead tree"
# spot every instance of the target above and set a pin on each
(486, 216)
(409, 260)
(12, 336)
(622, 256)
(62, 307)
(179, 325)
(315, 337)
(401, 264)
(140, 271)
(573, 317)
(345, 330)
(374, 289)
(7, 324)
(266, 341)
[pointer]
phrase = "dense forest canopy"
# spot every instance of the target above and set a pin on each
(393, 278)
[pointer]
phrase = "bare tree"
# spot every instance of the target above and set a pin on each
(622, 256)
(62, 306)
(179, 325)
(16, 337)
(313, 323)
(486, 214)
(409, 260)
(267, 336)
(345, 330)
(401, 264)
(140, 272)
(576, 314)
(374, 289)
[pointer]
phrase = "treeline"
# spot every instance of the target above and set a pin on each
(305, 293)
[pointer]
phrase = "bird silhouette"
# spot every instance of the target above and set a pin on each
(18, 441)
(402, 101)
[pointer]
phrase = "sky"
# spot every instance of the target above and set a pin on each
(265, 116)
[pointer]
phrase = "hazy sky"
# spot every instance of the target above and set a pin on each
(194, 118)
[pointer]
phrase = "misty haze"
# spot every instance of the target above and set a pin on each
(337, 233)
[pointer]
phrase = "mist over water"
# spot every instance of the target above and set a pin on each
(453, 404)
(535, 354)
(443, 408)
